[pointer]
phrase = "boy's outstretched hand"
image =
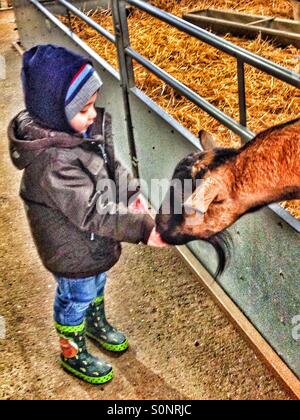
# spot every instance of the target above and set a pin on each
(155, 240)
(140, 205)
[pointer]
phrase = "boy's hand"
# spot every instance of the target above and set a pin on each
(155, 240)
(139, 205)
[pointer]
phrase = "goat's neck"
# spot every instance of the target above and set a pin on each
(266, 171)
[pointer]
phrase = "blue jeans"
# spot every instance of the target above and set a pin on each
(74, 296)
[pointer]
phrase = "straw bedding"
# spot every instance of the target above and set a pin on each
(206, 70)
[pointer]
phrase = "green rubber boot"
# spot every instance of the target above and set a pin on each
(98, 328)
(76, 359)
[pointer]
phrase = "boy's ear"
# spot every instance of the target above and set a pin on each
(207, 140)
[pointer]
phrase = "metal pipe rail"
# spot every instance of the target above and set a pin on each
(223, 118)
(123, 68)
(50, 16)
(192, 96)
(243, 56)
(110, 37)
(247, 57)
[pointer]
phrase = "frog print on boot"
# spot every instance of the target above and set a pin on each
(76, 359)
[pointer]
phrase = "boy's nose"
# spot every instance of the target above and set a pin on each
(94, 113)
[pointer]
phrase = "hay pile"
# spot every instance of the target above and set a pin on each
(206, 70)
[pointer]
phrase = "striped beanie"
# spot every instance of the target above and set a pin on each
(57, 81)
(84, 85)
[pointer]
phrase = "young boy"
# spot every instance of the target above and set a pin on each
(65, 147)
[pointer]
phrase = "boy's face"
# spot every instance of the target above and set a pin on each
(81, 122)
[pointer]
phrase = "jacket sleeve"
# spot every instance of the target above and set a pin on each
(72, 191)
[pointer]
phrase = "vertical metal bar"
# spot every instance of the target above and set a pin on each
(242, 92)
(69, 19)
(126, 72)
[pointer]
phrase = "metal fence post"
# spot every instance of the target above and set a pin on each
(126, 72)
(242, 92)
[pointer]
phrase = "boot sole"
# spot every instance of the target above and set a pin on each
(117, 348)
(90, 379)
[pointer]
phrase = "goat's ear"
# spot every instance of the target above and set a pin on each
(207, 140)
(203, 196)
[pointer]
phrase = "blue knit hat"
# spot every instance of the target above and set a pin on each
(48, 72)
(83, 86)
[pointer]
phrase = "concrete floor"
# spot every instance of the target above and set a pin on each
(182, 346)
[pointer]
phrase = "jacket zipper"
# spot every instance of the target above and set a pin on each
(103, 153)
(106, 163)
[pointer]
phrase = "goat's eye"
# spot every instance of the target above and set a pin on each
(219, 202)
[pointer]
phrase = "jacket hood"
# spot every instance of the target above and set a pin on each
(46, 75)
(28, 138)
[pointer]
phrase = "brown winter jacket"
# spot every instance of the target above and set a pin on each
(59, 189)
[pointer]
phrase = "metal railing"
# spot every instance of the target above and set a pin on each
(70, 7)
(126, 55)
(242, 56)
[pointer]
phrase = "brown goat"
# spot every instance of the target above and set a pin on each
(234, 182)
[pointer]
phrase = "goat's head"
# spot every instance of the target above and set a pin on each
(206, 212)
